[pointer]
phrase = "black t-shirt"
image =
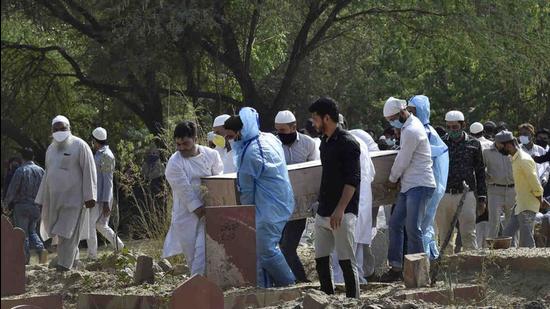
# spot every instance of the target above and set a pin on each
(340, 157)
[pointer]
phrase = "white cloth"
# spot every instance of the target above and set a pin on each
(69, 181)
(62, 119)
(413, 163)
(186, 233)
(220, 120)
(228, 160)
(537, 151)
(394, 106)
(317, 143)
(285, 117)
(366, 138)
(302, 150)
(363, 228)
(100, 223)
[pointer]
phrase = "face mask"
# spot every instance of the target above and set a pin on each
(60, 136)
(231, 142)
(289, 138)
(524, 139)
(396, 123)
(219, 141)
(455, 134)
(390, 142)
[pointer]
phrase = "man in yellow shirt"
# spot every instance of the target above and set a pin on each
(528, 189)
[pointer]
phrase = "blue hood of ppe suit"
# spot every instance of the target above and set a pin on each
(440, 158)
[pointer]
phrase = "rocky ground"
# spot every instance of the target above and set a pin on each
(504, 283)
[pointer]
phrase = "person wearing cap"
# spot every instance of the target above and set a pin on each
(184, 171)
(67, 190)
(223, 147)
(526, 139)
(489, 130)
(263, 181)
(336, 217)
(21, 193)
(413, 169)
(482, 221)
(419, 105)
(477, 131)
(465, 165)
(99, 215)
(528, 190)
(298, 148)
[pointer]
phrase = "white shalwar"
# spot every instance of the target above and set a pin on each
(363, 228)
(227, 160)
(186, 234)
(69, 181)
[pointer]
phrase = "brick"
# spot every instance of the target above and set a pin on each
(442, 296)
(13, 259)
(106, 301)
(416, 270)
(231, 246)
(197, 292)
(44, 302)
(144, 270)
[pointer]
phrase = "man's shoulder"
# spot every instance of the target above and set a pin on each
(306, 139)
(472, 142)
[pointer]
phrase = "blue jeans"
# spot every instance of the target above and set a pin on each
(408, 214)
(273, 270)
(26, 218)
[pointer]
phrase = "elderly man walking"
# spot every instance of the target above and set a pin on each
(528, 190)
(68, 185)
(99, 215)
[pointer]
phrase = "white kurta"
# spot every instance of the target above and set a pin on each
(363, 229)
(227, 160)
(69, 181)
(186, 234)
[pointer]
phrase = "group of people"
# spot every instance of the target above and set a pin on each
(72, 198)
(488, 169)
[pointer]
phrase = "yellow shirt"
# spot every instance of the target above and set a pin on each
(527, 184)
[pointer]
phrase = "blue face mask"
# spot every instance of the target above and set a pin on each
(396, 123)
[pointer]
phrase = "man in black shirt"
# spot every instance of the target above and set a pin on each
(339, 197)
(465, 165)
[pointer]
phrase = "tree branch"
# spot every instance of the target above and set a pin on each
(375, 11)
(250, 40)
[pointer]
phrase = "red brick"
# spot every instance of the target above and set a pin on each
(13, 259)
(197, 292)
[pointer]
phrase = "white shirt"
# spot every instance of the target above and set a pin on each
(302, 150)
(413, 163)
(366, 138)
(537, 151)
(227, 160)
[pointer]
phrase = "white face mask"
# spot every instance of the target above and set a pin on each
(524, 139)
(60, 136)
(390, 142)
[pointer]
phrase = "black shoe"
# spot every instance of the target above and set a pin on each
(60, 268)
(391, 276)
(373, 278)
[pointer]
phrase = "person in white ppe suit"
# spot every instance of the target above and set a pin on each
(66, 191)
(99, 215)
(222, 144)
(184, 171)
(363, 227)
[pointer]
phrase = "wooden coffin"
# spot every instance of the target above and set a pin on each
(306, 181)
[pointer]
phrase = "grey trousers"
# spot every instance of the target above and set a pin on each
(67, 248)
(524, 222)
(342, 240)
(500, 200)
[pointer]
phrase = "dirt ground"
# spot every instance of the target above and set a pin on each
(112, 274)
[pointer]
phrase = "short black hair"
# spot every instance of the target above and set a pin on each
(325, 106)
(233, 123)
(185, 129)
(27, 153)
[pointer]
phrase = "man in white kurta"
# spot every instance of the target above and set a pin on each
(68, 186)
(363, 228)
(99, 215)
(183, 172)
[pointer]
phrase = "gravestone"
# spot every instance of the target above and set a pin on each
(416, 270)
(231, 246)
(13, 259)
(144, 270)
(54, 301)
(197, 292)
